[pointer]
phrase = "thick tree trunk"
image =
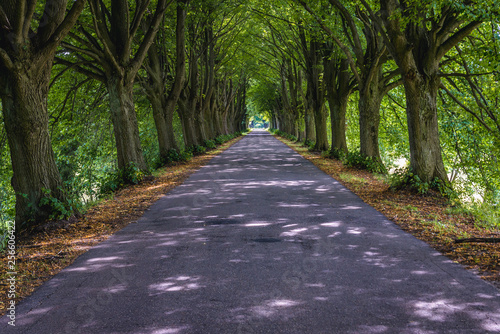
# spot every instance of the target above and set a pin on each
(370, 99)
(418, 49)
(164, 103)
(125, 126)
(186, 114)
(24, 101)
(320, 118)
(338, 89)
(163, 116)
(338, 108)
(421, 111)
(309, 124)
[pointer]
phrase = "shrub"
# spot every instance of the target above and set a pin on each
(371, 164)
(185, 156)
(197, 149)
(58, 208)
(209, 144)
(404, 177)
(119, 178)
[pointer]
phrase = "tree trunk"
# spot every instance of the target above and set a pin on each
(309, 124)
(186, 114)
(24, 101)
(320, 118)
(125, 126)
(163, 114)
(338, 109)
(338, 89)
(421, 111)
(417, 48)
(370, 98)
(164, 103)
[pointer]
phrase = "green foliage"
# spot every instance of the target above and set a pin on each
(224, 138)
(404, 178)
(58, 208)
(284, 134)
(309, 144)
(355, 159)
(197, 149)
(118, 179)
(209, 144)
(337, 154)
(487, 215)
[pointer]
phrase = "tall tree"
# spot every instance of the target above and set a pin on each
(26, 59)
(418, 36)
(338, 88)
(366, 59)
(311, 48)
(114, 54)
(162, 101)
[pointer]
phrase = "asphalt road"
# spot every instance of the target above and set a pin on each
(261, 241)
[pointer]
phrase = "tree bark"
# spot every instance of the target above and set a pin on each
(309, 125)
(421, 113)
(338, 90)
(125, 126)
(370, 99)
(418, 49)
(24, 102)
(163, 103)
(26, 60)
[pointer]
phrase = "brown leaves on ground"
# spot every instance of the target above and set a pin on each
(428, 217)
(58, 244)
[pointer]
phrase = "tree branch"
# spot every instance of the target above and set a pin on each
(456, 38)
(28, 17)
(149, 37)
(488, 240)
(464, 75)
(464, 107)
(63, 29)
(341, 45)
(81, 70)
(6, 60)
(136, 20)
(358, 48)
(89, 53)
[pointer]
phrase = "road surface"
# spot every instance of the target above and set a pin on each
(261, 241)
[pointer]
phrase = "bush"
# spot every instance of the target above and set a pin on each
(284, 134)
(197, 149)
(405, 178)
(119, 178)
(210, 144)
(60, 209)
(224, 138)
(355, 159)
(337, 154)
(185, 156)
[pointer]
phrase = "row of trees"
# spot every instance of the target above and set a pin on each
(435, 60)
(178, 52)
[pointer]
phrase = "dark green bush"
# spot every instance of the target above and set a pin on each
(405, 178)
(119, 178)
(209, 144)
(355, 159)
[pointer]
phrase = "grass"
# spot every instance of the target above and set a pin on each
(347, 177)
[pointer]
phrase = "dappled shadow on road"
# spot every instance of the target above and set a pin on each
(263, 243)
